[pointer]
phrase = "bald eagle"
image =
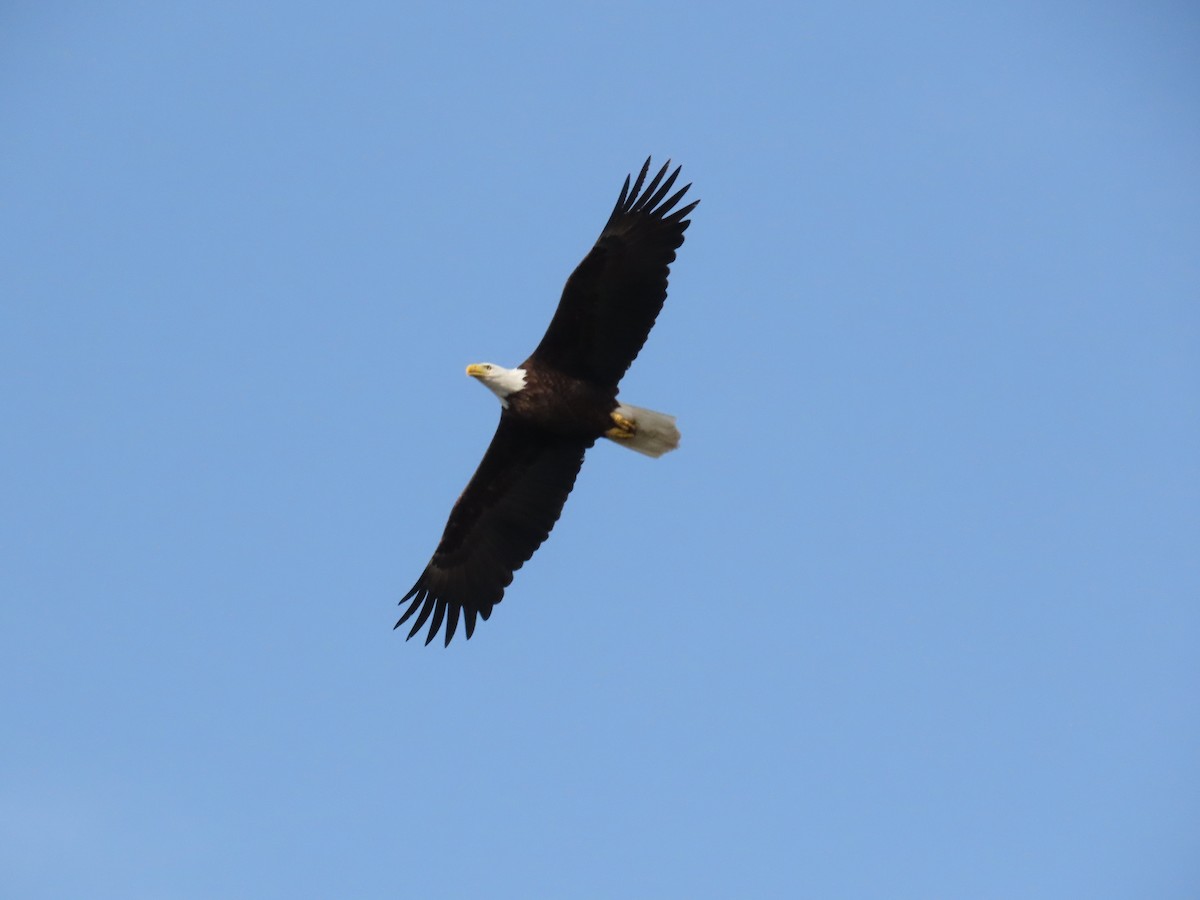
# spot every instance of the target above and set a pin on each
(555, 406)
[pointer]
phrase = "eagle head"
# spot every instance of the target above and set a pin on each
(499, 380)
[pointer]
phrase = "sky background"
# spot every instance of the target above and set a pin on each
(914, 611)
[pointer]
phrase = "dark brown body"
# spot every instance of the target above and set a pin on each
(562, 405)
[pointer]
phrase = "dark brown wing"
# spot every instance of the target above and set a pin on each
(511, 503)
(611, 300)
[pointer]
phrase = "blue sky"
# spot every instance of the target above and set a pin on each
(913, 611)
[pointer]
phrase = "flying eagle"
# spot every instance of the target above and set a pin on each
(556, 405)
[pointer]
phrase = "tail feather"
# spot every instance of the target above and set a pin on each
(656, 432)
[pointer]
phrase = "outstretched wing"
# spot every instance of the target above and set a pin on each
(511, 503)
(612, 298)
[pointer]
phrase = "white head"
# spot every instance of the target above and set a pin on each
(499, 380)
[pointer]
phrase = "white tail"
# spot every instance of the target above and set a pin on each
(656, 432)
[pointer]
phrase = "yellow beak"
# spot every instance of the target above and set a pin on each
(475, 370)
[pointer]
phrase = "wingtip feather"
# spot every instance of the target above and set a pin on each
(644, 202)
(426, 609)
(637, 185)
(452, 611)
(439, 613)
(416, 593)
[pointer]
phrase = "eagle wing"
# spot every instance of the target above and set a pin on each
(612, 298)
(507, 510)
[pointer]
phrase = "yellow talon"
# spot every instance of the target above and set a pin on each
(623, 429)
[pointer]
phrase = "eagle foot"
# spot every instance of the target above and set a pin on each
(623, 429)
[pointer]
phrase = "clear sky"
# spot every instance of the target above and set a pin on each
(914, 612)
